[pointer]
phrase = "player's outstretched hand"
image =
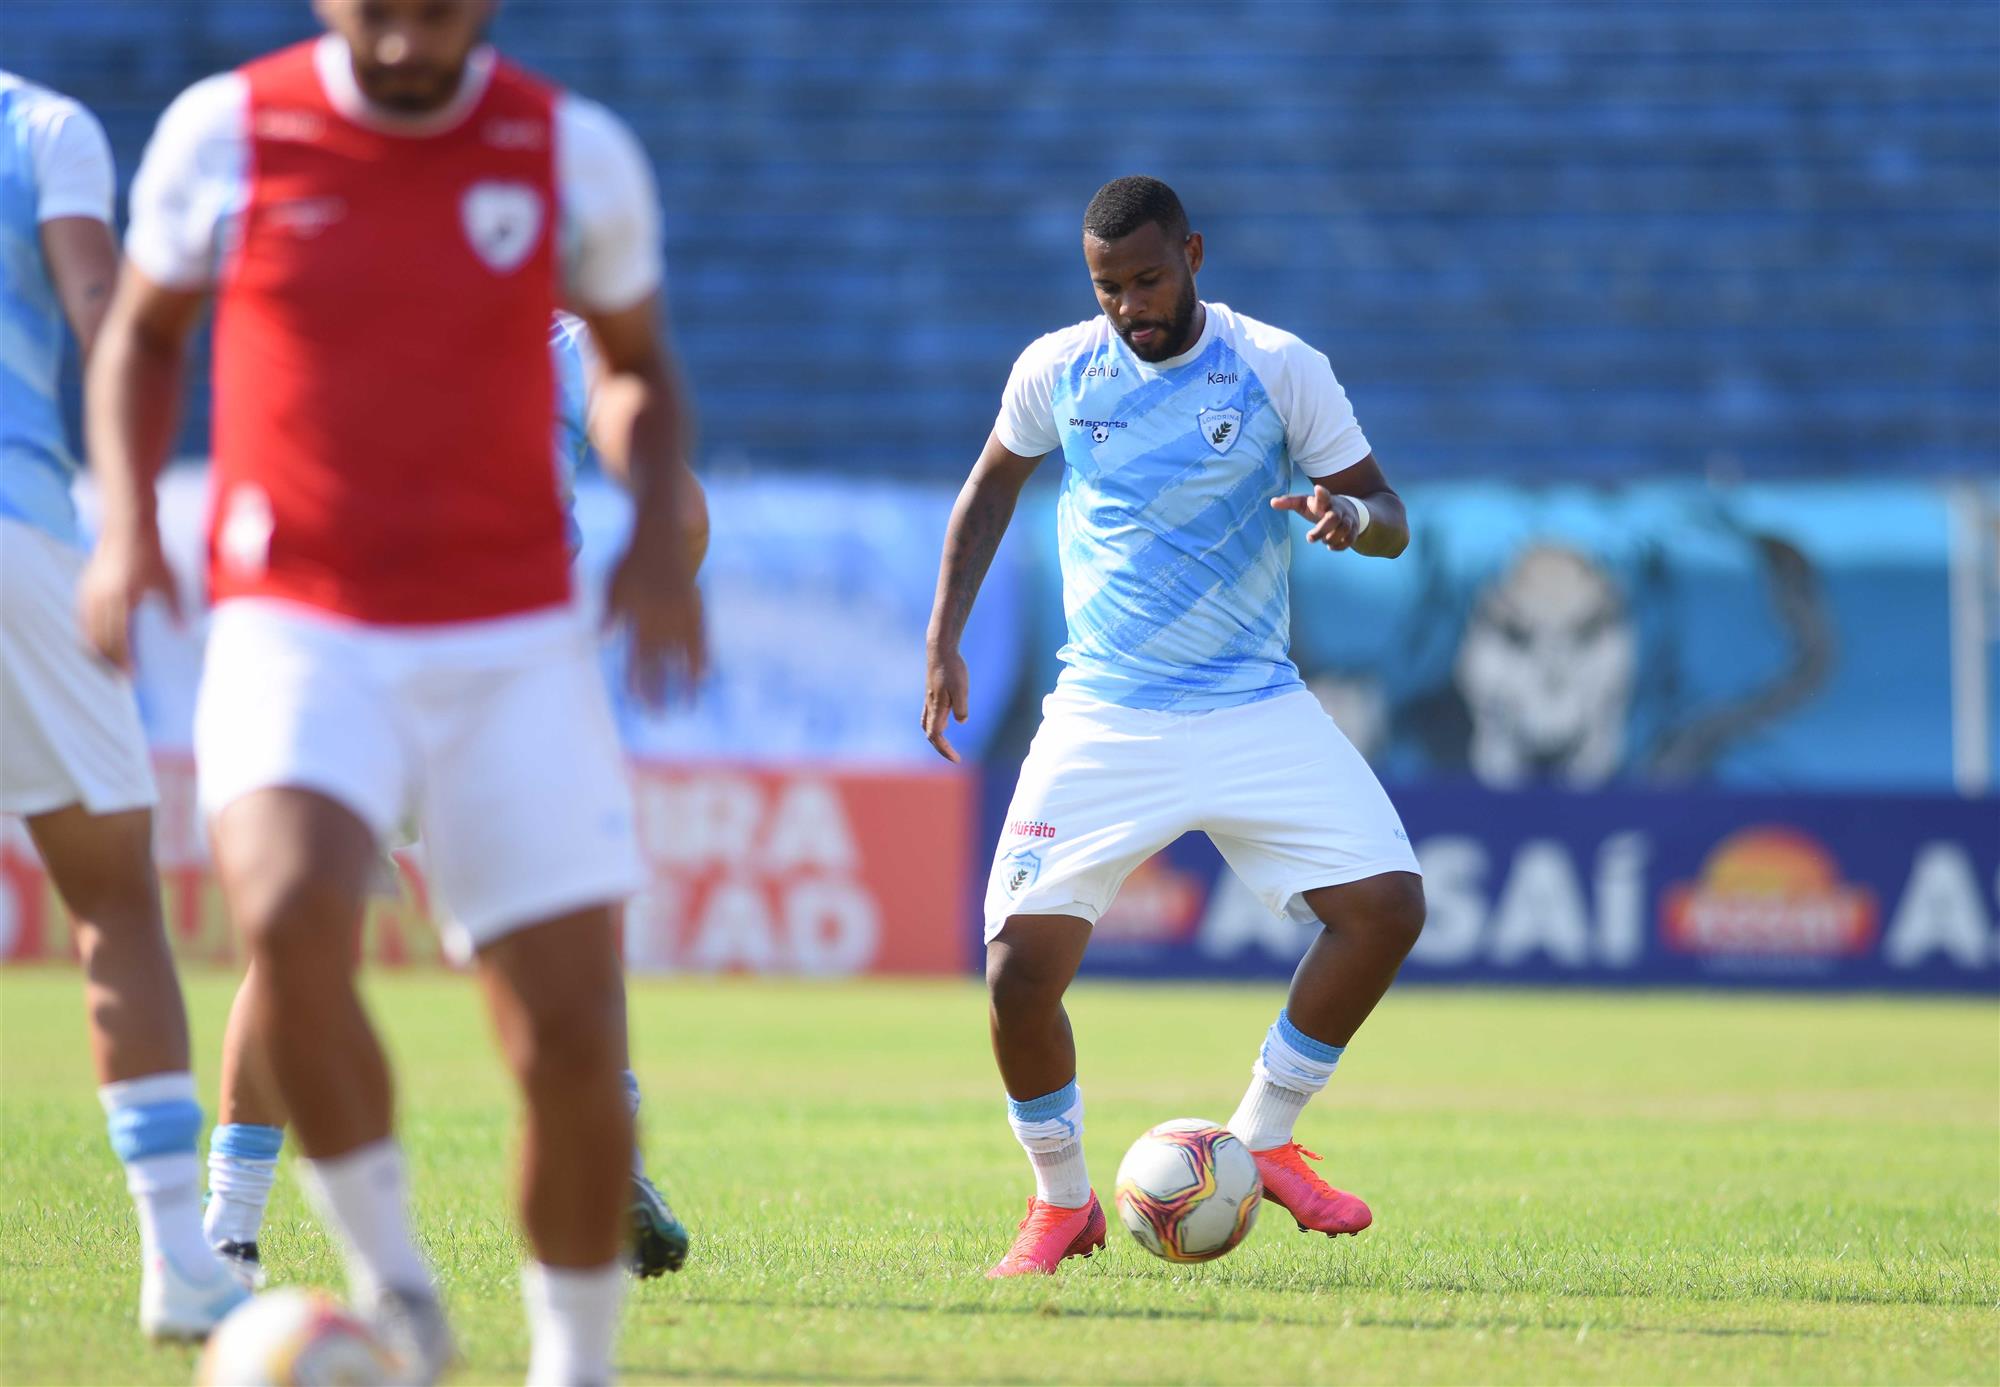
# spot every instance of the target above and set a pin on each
(1333, 517)
(121, 571)
(652, 594)
(946, 690)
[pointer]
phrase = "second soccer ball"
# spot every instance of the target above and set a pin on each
(1188, 1190)
(294, 1338)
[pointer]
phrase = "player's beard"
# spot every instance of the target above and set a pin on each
(1176, 331)
(409, 92)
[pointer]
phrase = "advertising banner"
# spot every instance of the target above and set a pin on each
(751, 870)
(1659, 634)
(1628, 889)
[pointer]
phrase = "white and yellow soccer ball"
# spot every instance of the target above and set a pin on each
(1188, 1190)
(294, 1338)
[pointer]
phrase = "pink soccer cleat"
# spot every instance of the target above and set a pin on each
(1050, 1233)
(1296, 1188)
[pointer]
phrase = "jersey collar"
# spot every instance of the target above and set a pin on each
(336, 74)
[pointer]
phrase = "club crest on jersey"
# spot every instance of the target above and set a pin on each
(503, 221)
(1220, 427)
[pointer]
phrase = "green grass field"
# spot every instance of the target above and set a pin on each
(1567, 1187)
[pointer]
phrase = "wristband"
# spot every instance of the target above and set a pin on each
(1360, 525)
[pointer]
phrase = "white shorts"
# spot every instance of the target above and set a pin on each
(1287, 800)
(69, 728)
(496, 735)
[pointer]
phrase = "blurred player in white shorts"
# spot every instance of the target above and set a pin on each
(388, 218)
(244, 1147)
(1182, 426)
(73, 759)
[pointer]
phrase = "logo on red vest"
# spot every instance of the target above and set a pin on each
(502, 221)
(307, 217)
(300, 127)
(503, 132)
(1770, 891)
(243, 539)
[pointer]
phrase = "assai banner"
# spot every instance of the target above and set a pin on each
(1629, 889)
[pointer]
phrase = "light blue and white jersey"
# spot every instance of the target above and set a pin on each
(575, 364)
(1175, 568)
(54, 162)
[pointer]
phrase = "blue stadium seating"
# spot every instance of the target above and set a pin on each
(1537, 238)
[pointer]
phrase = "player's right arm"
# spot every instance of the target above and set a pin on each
(82, 258)
(978, 521)
(1023, 434)
(187, 186)
(131, 410)
(73, 183)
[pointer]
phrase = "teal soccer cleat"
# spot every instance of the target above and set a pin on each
(659, 1239)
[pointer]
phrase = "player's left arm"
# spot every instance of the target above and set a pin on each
(644, 436)
(1354, 508)
(613, 272)
(1350, 505)
(614, 406)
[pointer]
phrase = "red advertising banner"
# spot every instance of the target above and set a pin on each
(820, 871)
(828, 873)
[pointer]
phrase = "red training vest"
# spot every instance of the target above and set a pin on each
(383, 391)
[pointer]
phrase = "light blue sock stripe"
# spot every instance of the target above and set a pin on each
(247, 1141)
(1045, 1107)
(632, 1088)
(1305, 1044)
(155, 1129)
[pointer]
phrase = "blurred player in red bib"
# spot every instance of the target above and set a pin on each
(387, 218)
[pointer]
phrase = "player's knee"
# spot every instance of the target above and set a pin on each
(567, 1045)
(119, 933)
(1021, 984)
(102, 866)
(1395, 908)
(293, 921)
(1390, 908)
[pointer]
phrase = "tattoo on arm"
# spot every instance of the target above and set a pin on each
(977, 525)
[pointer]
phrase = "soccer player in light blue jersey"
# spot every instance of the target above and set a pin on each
(243, 1150)
(1183, 427)
(73, 757)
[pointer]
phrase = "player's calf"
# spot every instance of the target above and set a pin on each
(554, 988)
(102, 867)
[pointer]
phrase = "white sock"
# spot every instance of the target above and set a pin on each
(573, 1320)
(154, 1122)
(1050, 1130)
(242, 1166)
(632, 1104)
(1290, 1069)
(167, 1191)
(364, 1196)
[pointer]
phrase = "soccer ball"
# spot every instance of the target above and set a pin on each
(293, 1338)
(1188, 1190)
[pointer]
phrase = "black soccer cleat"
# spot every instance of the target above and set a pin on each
(243, 1262)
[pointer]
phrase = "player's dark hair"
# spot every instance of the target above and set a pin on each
(1124, 205)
